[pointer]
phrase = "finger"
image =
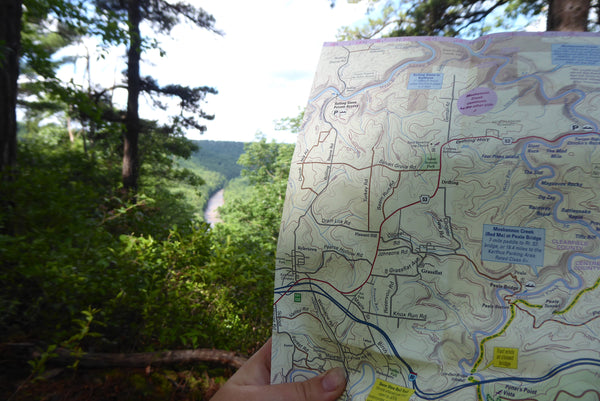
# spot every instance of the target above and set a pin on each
(257, 370)
(325, 387)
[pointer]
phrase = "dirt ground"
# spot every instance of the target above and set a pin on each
(197, 383)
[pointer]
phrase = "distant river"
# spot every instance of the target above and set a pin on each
(211, 215)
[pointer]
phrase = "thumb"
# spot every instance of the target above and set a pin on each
(326, 387)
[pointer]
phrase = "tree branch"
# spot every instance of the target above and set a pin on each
(27, 351)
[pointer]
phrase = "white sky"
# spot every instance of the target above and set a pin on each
(262, 67)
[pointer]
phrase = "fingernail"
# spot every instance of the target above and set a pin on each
(334, 379)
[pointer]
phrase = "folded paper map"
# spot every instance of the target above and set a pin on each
(440, 234)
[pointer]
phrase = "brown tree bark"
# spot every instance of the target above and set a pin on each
(131, 162)
(222, 358)
(10, 39)
(24, 352)
(568, 15)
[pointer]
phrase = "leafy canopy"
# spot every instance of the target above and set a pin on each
(464, 18)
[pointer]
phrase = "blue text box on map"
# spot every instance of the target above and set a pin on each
(510, 244)
(571, 54)
(425, 81)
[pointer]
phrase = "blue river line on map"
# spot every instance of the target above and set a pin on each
(435, 396)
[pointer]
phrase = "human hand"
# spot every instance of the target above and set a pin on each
(252, 383)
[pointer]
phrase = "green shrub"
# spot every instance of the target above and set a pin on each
(70, 241)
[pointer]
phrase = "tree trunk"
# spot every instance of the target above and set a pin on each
(10, 39)
(131, 162)
(143, 359)
(568, 15)
(64, 357)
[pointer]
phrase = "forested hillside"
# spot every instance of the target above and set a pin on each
(216, 162)
(219, 156)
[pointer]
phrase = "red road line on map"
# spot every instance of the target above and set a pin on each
(417, 202)
(378, 241)
(331, 285)
(537, 326)
(579, 396)
(556, 139)
(300, 314)
(319, 141)
(395, 187)
(369, 194)
(364, 168)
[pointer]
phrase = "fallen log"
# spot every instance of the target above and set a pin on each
(92, 360)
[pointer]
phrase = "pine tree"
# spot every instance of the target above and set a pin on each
(162, 16)
(10, 47)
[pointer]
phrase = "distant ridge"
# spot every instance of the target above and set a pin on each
(219, 156)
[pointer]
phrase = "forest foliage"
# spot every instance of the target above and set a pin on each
(155, 276)
(93, 264)
(469, 18)
(88, 269)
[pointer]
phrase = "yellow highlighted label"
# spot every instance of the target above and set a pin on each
(506, 357)
(385, 391)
